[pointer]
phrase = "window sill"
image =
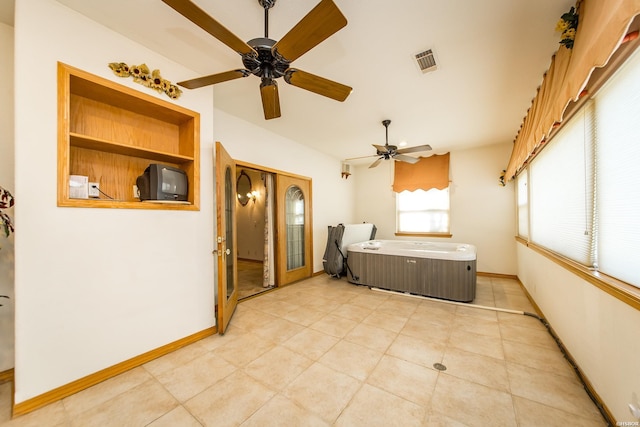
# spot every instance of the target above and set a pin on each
(623, 291)
(425, 234)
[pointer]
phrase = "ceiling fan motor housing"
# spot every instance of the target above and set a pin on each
(266, 64)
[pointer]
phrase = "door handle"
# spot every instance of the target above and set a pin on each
(228, 251)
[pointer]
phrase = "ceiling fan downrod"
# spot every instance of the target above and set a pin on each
(266, 4)
(386, 124)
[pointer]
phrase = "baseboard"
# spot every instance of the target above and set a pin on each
(66, 390)
(6, 376)
(497, 275)
(256, 261)
(604, 410)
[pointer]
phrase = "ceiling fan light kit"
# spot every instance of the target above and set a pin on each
(270, 59)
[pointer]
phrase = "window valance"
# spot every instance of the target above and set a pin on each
(429, 172)
(602, 27)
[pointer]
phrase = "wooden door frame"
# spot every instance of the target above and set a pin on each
(259, 168)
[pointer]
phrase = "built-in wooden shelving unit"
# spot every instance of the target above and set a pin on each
(111, 133)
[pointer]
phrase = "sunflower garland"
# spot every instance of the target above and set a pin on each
(567, 26)
(6, 201)
(150, 79)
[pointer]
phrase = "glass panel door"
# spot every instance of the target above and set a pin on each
(226, 237)
(294, 229)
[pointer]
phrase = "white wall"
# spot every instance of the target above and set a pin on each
(482, 211)
(601, 332)
(332, 196)
(95, 287)
(6, 181)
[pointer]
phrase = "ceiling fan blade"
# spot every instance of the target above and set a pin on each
(376, 163)
(320, 23)
(214, 79)
(415, 149)
(407, 159)
(199, 17)
(270, 99)
(361, 157)
(381, 148)
(317, 84)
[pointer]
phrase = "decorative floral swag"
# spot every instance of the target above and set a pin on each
(567, 26)
(141, 74)
(6, 202)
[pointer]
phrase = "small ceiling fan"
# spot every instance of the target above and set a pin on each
(268, 59)
(386, 151)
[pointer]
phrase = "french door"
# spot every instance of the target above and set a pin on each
(227, 237)
(294, 259)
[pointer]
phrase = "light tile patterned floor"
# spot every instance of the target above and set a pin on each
(324, 352)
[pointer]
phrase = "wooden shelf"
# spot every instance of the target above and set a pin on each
(111, 133)
(91, 143)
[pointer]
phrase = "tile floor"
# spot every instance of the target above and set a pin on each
(324, 352)
(250, 279)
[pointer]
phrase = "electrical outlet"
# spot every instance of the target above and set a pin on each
(136, 192)
(94, 189)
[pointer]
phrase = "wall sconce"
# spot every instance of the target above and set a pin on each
(346, 170)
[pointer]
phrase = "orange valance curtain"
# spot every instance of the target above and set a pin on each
(429, 172)
(601, 28)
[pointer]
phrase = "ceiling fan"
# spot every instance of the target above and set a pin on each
(386, 151)
(270, 59)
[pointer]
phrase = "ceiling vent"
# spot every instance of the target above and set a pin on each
(426, 61)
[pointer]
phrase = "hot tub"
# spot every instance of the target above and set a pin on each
(438, 270)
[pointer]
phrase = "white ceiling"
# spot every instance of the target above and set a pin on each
(491, 57)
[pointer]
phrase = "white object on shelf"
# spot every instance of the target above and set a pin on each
(78, 187)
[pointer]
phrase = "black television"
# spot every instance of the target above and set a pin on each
(163, 183)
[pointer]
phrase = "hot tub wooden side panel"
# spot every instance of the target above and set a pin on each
(447, 279)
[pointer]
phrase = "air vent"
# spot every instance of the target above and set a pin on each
(426, 61)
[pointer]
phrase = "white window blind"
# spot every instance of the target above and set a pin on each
(523, 204)
(422, 211)
(618, 173)
(561, 191)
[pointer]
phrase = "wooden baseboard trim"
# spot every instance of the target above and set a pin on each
(66, 390)
(6, 376)
(497, 275)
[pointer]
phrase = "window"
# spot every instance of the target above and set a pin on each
(422, 211)
(583, 187)
(618, 174)
(522, 193)
(561, 191)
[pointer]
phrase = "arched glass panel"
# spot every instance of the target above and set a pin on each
(294, 213)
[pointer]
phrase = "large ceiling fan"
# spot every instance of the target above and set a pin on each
(386, 151)
(268, 59)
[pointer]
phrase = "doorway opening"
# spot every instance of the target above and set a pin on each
(255, 219)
